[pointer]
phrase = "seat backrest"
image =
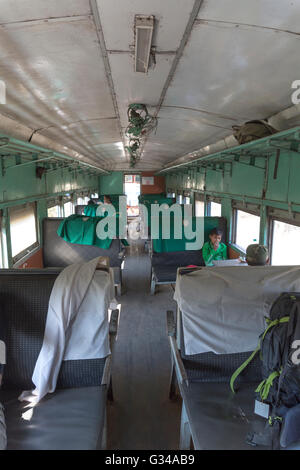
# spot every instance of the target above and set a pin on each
(24, 297)
(211, 367)
(178, 258)
(57, 252)
(184, 258)
(79, 209)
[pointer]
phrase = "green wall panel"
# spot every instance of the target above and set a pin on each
(112, 183)
(21, 184)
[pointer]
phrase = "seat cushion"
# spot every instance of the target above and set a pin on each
(220, 420)
(68, 419)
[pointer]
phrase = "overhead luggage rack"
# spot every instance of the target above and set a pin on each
(16, 153)
(250, 153)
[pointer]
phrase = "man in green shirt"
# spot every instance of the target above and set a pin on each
(214, 249)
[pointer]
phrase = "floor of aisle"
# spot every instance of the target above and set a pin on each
(142, 416)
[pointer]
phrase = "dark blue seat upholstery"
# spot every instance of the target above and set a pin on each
(58, 420)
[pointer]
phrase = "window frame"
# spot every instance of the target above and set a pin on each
(31, 248)
(235, 209)
(271, 219)
(208, 200)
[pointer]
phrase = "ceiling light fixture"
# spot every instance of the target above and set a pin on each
(144, 26)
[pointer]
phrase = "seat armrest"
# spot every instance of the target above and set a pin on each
(179, 366)
(113, 330)
(114, 323)
(171, 324)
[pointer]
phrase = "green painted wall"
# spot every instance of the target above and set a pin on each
(20, 185)
(247, 183)
(112, 183)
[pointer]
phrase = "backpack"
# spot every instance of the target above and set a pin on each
(279, 391)
(252, 130)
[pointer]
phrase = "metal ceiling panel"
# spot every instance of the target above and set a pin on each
(28, 10)
(279, 14)
(50, 75)
(222, 72)
(132, 87)
(239, 63)
(117, 19)
(53, 85)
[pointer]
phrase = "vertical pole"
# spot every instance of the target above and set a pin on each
(263, 229)
(227, 213)
(6, 239)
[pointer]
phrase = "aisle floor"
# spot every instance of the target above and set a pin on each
(142, 416)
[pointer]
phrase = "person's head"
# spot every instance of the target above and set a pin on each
(91, 202)
(107, 199)
(215, 236)
(257, 255)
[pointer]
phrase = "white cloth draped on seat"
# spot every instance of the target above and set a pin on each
(77, 323)
(223, 308)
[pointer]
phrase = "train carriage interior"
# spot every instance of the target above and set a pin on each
(149, 225)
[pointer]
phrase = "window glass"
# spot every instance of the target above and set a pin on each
(247, 229)
(68, 208)
(285, 243)
(199, 208)
(80, 201)
(22, 228)
(215, 209)
(54, 211)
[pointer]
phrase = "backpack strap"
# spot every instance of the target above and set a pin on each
(264, 386)
(242, 367)
(271, 323)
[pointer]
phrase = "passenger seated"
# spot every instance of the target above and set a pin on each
(214, 249)
(257, 255)
(107, 199)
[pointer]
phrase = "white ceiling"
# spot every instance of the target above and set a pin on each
(238, 63)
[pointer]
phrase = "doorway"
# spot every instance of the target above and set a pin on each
(132, 191)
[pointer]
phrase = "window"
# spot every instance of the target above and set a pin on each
(246, 229)
(54, 211)
(68, 208)
(215, 209)
(80, 201)
(199, 208)
(187, 200)
(179, 199)
(285, 242)
(23, 230)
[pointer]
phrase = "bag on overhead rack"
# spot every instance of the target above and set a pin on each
(252, 130)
